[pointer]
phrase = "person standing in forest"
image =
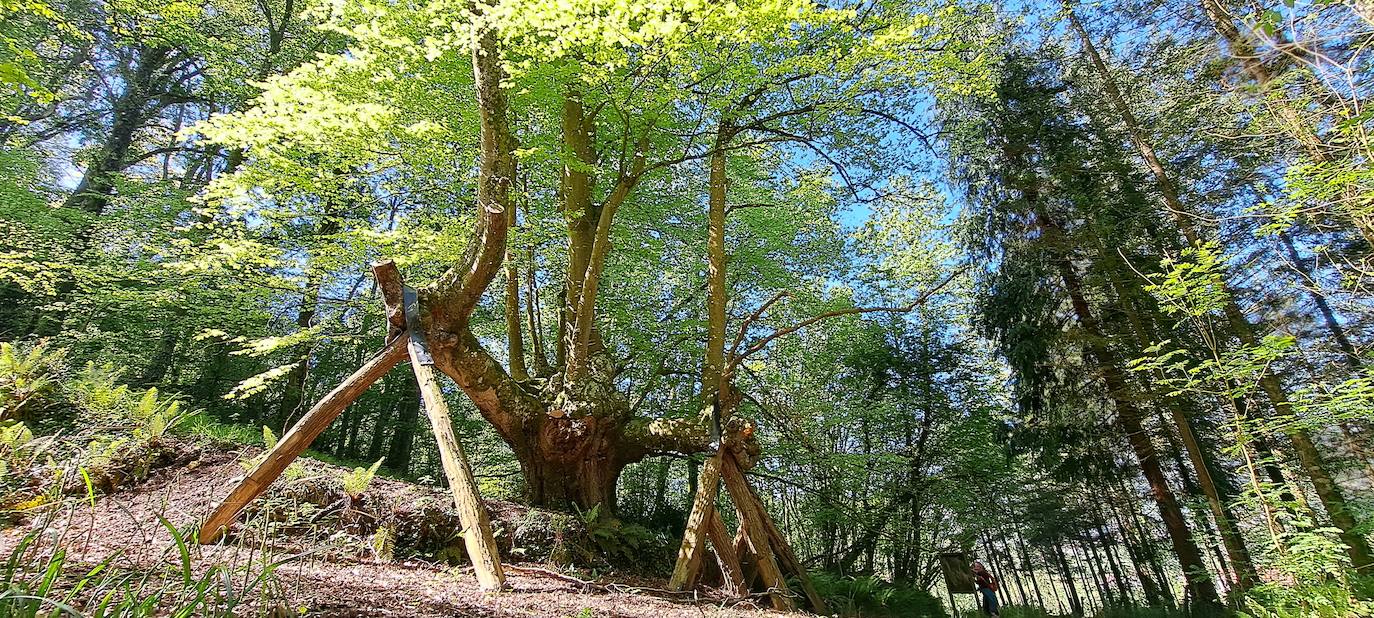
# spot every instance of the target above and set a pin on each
(987, 588)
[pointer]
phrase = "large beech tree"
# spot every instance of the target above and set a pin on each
(582, 113)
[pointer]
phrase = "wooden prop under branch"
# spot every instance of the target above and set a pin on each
(404, 339)
(769, 555)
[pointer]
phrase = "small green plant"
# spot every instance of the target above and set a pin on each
(355, 483)
(383, 543)
(15, 441)
(28, 378)
(154, 416)
(98, 395)
(623, 543)
(23, 467)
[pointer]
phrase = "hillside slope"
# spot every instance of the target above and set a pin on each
(330, 561)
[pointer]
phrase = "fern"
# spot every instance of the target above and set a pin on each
(384, 543)
(355, 483)
(269, 440)
(28, 378)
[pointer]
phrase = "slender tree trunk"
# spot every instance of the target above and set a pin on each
(1114, 560)
(292, 402)
(1015, 569)
(1289, 118)
(1130, 419)
(1338, 334)
(515, 345)
(350, 441)
(163, 357)
(1308, 455)
(536, 327)
(1058, 589)
(383, 420)
(1231, 538)
(1030, 567)
(1329, 319)
(1075, 602)
(1153, 596)
(1147, 548)
(398, 457)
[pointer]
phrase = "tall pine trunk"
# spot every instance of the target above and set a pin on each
(1309, 456)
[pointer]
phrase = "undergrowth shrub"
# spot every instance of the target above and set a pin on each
(28, 379)
(1311, 580)
(625, 544)
(871, 596)
(125, 429)
(94, 424)
(1152, 611)
(26, 475)
(1024, 611)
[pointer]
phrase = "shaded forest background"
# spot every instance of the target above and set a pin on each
(1081, 290)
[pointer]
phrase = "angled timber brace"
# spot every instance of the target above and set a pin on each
(405, 338)
(759, 537)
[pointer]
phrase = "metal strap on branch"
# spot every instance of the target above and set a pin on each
(411, 300)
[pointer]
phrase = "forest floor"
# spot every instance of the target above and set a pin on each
(329, 572)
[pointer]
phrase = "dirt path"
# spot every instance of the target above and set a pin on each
(337, 578)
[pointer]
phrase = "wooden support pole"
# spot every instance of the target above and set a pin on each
(731, 571)
(477, 536)
(689, 555)
(746, 559)
(789, 558)
(299, 437)
(751, 519)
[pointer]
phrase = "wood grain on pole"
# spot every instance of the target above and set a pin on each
(731, 571)
(477, 536)
(299, 437)
(751, 520)
(689, 555)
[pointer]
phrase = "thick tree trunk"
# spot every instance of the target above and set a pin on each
(130, 111)
(1129, 416)
(576, 433)
(713, 369)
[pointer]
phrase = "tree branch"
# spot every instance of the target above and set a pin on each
(762, 343)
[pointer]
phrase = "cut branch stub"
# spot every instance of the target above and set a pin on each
(389, 284)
